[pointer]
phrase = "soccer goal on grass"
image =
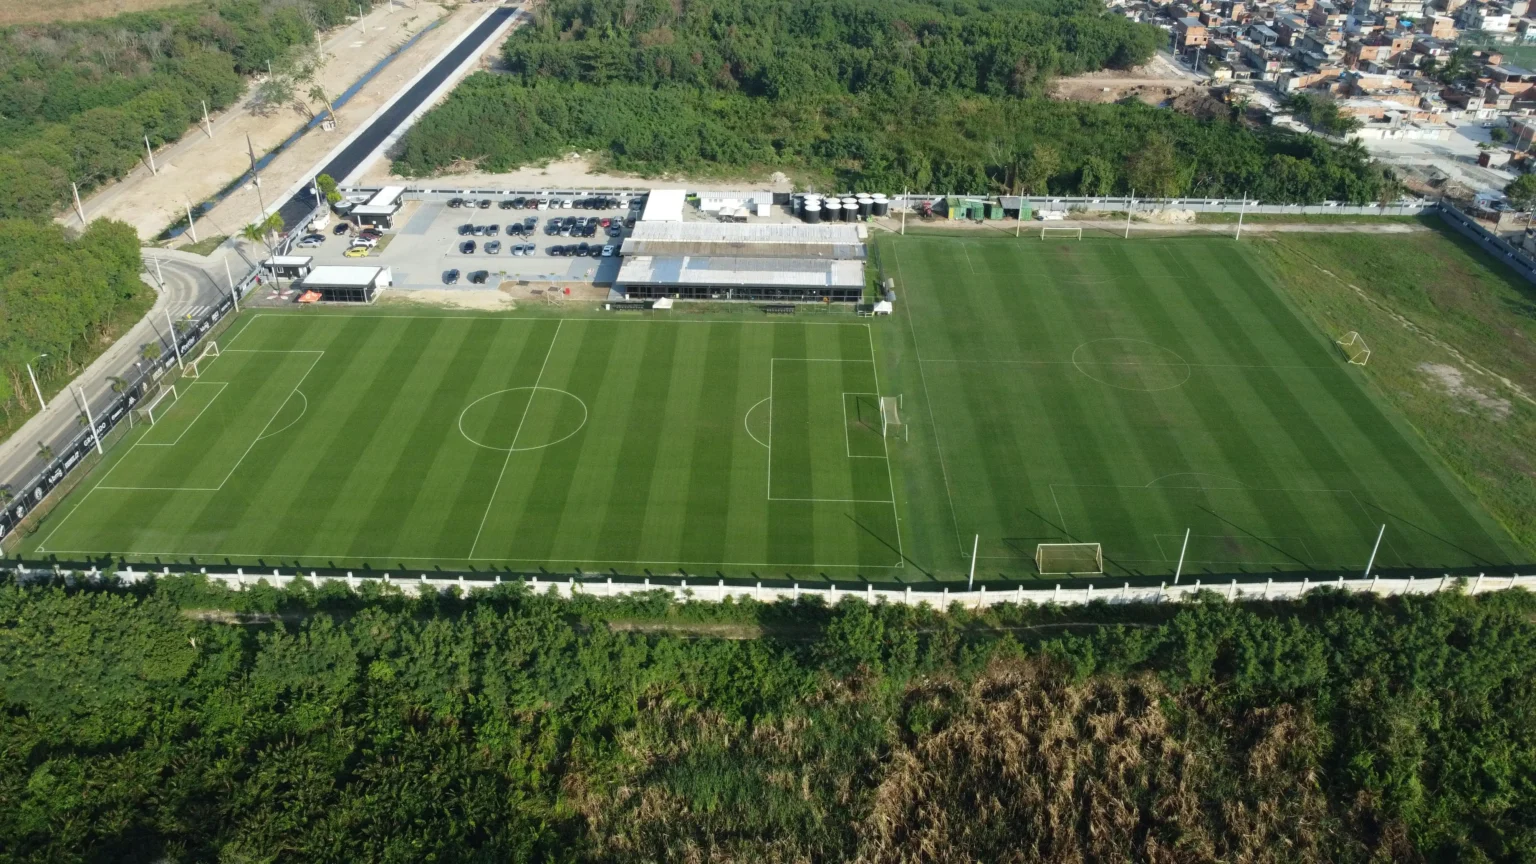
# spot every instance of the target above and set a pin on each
(1355, 349)
(891, 424)
(157, 405)
(1061, 559)
(1063, 233)
(194, 369)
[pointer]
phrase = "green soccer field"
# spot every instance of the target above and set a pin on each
(508, 443)
(1094, 391)
(1123, 393)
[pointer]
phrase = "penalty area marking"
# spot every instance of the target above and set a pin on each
(746, 422)
(302, 411)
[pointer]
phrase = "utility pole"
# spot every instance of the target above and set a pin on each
(159, 277)
(41, 402)
(906, 202)
(233, 294)
(175, 340)
(86, 405)
(1371, 563)
(78, 209)
(191, 226)
(1128, 213)
(1185, 548)
(975, 544)
(360, 27)
(150, 151)
(207, 124)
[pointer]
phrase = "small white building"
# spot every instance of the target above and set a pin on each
(339, 283)
(664, 205)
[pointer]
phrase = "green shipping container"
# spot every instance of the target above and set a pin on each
(994, 210)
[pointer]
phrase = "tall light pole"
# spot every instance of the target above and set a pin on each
(41, 402)
(85, 405)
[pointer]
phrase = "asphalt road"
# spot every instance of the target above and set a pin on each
(296, 208)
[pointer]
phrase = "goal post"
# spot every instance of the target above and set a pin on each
(1047, 233)
(194, 366)
(1065, 559)
(155, 408)
(890, 417)
(1354, 348)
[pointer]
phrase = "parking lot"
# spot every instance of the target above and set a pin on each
(426, 244)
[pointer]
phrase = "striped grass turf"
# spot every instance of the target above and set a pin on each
(1125, 392)
(505, 443)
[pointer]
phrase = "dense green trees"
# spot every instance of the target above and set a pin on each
(59, 297)
(938, 97)
(80, 98)
(179, 722)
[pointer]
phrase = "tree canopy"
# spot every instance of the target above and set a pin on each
(937, 97)
(179, 721)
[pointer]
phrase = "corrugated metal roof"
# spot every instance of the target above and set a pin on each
(766, 240)
(709, 270)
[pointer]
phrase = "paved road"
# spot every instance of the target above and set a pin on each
(296, 208)
(191, 282)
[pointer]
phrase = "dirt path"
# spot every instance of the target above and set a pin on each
(197, 166)
(578, 171)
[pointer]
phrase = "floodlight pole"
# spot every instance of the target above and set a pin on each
(233, 294)
(191, 226)
(1241, 209)
(78, 209)
(150, 152)
(175, 340)
(159, 277)
(975, 544)
(85, 404)
(207, 124)
(1129, 210)
(1185, 548)
(906, 201)
(41, 402)
(1369, 564)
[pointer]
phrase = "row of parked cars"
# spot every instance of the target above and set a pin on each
(521, 203)
(360, 245)
(515, 229)
(573, 226)
(493, 247)
(478, 277)
(581, 250)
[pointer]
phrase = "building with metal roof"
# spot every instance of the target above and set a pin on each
(664, 205)
(785, 280)
(762, 240)
(343, 284)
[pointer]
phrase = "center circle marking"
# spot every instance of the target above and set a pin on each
(1131, 364)
(534, 392)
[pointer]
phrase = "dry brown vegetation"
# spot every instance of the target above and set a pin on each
(19, 12)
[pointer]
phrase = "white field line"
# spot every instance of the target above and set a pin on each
(437, 560)
(890, 478)
(223, 385)
(513, 449)
(932, 420)
(839, 500)
(264, 428)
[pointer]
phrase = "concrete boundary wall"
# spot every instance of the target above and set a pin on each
(1491, 243)
(1076, 593)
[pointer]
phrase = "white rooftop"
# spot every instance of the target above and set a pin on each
(664, 205)
(288, 261)
(775, 272)
(387, 196)
(341, 276)
(765, 239)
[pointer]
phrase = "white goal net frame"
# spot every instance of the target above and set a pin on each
(890, 417)
(193, 369)
(151, 411)
(1354, 348)
(1047, 232)
(1066, 559)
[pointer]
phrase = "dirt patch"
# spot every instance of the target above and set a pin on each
(1155, 83)
(1167, 217)
(577, 171)
(77, 10)
(445, 298)
(1455, 383)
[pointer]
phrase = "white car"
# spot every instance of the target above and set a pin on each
(608, 251)
(367, 242)
(310, 242)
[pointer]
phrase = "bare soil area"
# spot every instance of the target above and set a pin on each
(580, 171)
(18, 12)
(198, 166)
(449, 298)
(1154, 83)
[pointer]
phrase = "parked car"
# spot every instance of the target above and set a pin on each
(310, 241)
(506, 204)
(467, 247)
(479, 276)
(492, 230)
(466, 229)
(615, 231)
(581, 249)
(368, 242)
(451, 277)
(478, 231)
(608, 251)
(519, 203)
(555, 251)
(629, 222)
(543, 205)
(492, 247)
(605, 221)
(356, 252)
(341, 228)
(485, 203)
(455, 203)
